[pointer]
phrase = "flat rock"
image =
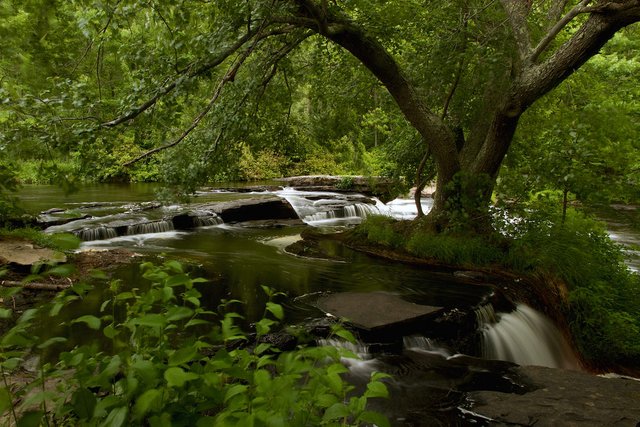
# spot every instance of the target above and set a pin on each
(563, 398)
(254, 209)
(26, 254)
(374, 311)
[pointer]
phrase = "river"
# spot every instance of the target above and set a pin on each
(238, 258)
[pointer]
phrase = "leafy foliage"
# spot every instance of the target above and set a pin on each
(8, 188)
(169, 361)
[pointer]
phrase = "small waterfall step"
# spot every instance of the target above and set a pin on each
(377, 315)
(524, 336)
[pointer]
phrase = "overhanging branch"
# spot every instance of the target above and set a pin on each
(194, 72)
(228, 77)
(555, 30)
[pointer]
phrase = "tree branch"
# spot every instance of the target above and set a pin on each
(344, 32)
(555, 30)
(229, 76)
(597, 30)
(214, 62)
(517, 11)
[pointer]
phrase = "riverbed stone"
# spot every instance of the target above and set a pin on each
(563, 398)
(377, 314)
(254, 209)
(372, 186)
(25, 254)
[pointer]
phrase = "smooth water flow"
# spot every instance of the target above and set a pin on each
(524, 336)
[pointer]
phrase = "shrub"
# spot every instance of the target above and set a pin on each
(169, 361)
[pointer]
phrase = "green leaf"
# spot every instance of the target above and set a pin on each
(55, 310)
(83, 402)
(374, 418)
(174, 265)
(178, 313)
(183, 355)
(335, 383)
(116, 418)
(335, 411)
(6, 400)
(179, 280)
(177, 377)
(276, 310)
(110, 331)
(376, 389)
(151, 320)
(51, 341)
(150, 400)
(91, 321)
(146, 370)
(344, 334)
(264, 326)
(63, 270)
(5, 313)
(234, 390)
(31, 419)
(196, 322)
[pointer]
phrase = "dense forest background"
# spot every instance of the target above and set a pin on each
(299, 105)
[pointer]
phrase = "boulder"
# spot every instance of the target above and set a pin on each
(24, 254)
(378, 316)
(254, 209)
(383, 188)
(563, 397)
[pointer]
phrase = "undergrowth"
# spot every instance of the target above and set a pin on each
(168, 361)
(61, 241)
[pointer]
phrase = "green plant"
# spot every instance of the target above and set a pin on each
(8, 187)
(166, 360)
(61, 241)
(345, 183)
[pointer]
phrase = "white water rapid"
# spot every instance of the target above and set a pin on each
(325, 208)
(524, 336)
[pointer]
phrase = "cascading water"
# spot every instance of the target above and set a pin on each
(150, 227)
(421, 343)
(523, 336)
(97, 233)
(206, 221)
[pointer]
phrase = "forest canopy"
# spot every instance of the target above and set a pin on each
(537, 95)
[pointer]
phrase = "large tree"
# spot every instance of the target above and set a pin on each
(462, 73)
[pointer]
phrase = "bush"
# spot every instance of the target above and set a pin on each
(380, 229)
(169, 361)
(8, 188)
(266, 164)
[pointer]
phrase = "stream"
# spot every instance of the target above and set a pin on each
(430, 375)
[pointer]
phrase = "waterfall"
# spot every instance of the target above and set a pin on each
(421, 343)
(149, 227)
(524, 336)
(205, 221)
(98, 233)
(358, 348)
